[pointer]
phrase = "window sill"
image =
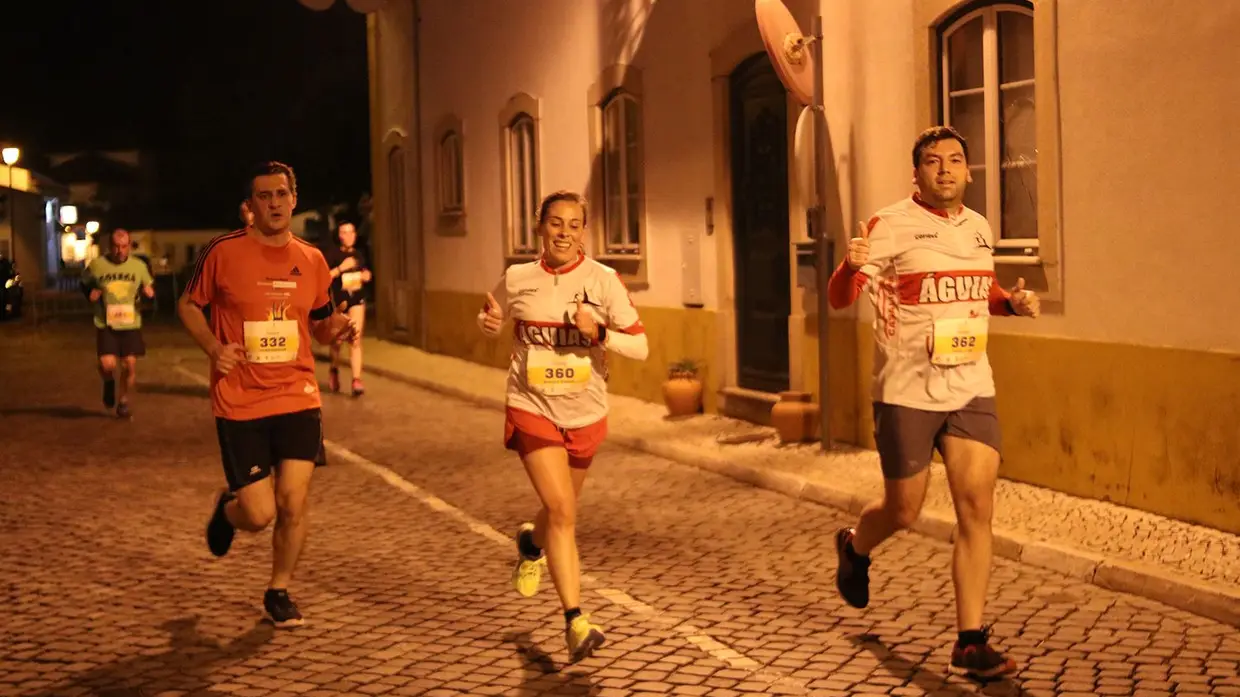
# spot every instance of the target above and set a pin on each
(519, 257)
(630, 267)
(1040, 277)
(451, 224)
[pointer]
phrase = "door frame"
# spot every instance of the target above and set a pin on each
(395, 121)
(742, 43)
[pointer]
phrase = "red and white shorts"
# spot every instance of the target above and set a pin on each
(526, 432)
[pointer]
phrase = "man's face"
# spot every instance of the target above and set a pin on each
(348, 235)
(272, 203)
(120, 246)
(943, 173)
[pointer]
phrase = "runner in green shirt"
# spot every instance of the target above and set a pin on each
(112, 282)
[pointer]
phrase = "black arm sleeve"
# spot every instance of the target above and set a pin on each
(321, 313)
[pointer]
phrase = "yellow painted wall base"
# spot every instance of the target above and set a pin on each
(1150, 428)
(1154, 429)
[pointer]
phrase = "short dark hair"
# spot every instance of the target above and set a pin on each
(272, 167)
(117, 231)
(563, 195)
(341, 222)
(934, 134)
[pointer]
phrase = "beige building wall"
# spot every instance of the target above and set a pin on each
(1126, 389)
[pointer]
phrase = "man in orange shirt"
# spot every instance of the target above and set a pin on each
(269, 296)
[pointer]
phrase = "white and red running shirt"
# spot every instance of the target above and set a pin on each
(555, 371)
(932, 281)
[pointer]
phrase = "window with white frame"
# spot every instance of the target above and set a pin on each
(522, 189)
(451, 173)
(987, 73)
(622, 175)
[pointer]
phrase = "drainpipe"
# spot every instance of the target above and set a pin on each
(822, 241)
(415, 138)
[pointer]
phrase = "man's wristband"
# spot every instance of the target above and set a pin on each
(602, 334)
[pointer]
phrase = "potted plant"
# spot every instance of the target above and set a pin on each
(682, 392)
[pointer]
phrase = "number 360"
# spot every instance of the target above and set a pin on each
(559, 373)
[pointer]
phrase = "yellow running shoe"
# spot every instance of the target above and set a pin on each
(527, 573)
(583, 638)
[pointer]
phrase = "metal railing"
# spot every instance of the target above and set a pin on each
(64, 299)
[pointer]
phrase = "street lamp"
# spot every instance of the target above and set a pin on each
(92, 226)
(10, 155)
(68, 215)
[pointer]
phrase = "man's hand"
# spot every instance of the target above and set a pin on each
(95, 295)
(148, 291)
(336, 329)
(493, 317)
(1025, 302)
(584, 321)
(225, 357)
(859, 247)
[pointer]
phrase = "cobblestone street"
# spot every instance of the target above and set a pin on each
(706, 586)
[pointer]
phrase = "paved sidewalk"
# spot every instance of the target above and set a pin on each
(1187, 566)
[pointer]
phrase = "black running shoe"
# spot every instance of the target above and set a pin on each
(220, 532)
(981, 660)
(281, 609)
(109, 393)
(853, 576)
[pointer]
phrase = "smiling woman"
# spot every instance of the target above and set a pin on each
(568, 311)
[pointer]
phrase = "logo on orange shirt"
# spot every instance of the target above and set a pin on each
(278, 311)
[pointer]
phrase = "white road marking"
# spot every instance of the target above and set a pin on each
(694, 635)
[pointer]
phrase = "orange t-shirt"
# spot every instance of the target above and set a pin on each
(261, 297)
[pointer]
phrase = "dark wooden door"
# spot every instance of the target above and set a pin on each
(759, 115)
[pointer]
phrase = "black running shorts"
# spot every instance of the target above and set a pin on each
(121, 343)
(250, 450)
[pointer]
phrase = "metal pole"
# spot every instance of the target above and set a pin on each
(822, 247)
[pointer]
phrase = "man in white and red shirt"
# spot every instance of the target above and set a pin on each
(568, 311)
(929, 264)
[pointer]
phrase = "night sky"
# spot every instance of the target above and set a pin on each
(207, 86)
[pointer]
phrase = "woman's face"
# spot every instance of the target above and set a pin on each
(562, 231)
(348, 235)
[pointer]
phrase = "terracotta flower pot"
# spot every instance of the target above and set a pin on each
(682, 395)
(795, 417)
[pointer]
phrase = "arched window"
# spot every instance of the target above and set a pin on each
(987, 75)
(622, 175)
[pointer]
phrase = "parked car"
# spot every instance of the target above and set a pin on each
(11, 290)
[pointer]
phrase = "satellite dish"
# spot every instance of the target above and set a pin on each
(366, 6)
(788, 48)
(317, 5)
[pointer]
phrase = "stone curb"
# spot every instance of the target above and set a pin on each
(1214, 601)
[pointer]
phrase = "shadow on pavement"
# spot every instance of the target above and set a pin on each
(59, 412)
(931, 682)
(190, 658)
(542, 676)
